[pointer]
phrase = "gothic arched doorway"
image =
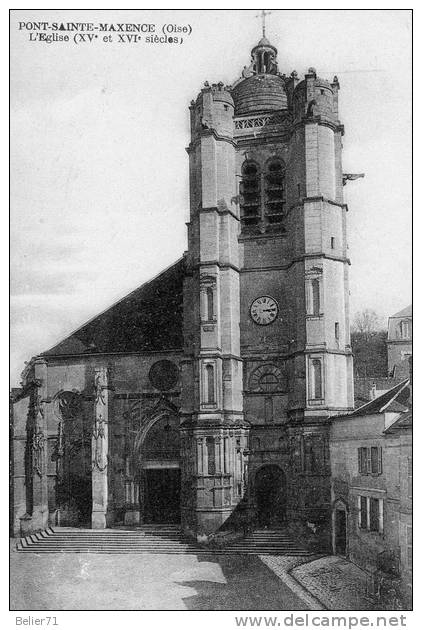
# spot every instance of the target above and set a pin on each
(270, 496)
(159, 471)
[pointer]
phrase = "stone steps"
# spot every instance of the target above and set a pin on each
(153, 540)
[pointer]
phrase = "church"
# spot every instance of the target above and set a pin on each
(204, 396)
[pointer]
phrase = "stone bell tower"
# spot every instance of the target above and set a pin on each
(214, 436)
(266, 299)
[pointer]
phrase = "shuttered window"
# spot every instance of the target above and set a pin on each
(370, 460)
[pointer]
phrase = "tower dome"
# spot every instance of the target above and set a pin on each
(262, 88)
(259, 93)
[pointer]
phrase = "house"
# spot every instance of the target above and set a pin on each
(371, 487)
(399, 342)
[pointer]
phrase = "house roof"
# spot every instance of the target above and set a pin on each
(405, 421)
(364, 385)
(148, 319)
(396, 399)
(406, 312)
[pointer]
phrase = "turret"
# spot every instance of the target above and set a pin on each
(213, 109)
(212, 408)
(315, 97)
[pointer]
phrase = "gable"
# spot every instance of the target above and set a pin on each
(148, 319)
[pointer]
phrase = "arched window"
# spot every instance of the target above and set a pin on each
(250, 196)
(211, 455)
(316, 303)
(268, 382)
(275, 198)
(210, 304)
(316, 379)
(209, 377)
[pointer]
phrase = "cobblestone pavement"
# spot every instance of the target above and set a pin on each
(337, 583)
(283, 567)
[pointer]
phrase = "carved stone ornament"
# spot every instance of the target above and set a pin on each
(99, 461)
(68, 405)
(38, 444)
(206, 281)
(99, 389)
(279, 120)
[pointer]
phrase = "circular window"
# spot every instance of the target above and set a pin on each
(163, 375)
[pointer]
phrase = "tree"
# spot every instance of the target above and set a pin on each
(369, 345)
(366, 322)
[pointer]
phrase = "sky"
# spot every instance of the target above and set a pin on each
(99, 171)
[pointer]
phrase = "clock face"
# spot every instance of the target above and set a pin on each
(264, 310)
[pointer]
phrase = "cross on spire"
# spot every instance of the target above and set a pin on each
(263, 14)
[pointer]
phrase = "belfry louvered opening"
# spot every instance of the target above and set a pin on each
(275, 198)
(250, 195)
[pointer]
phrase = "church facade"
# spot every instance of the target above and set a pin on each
(204, 396)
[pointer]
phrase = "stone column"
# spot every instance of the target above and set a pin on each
(221, 455)
(100, 449)
(39, 448)
(205, 456)
(199, 456)
(226, 455)
(217, 455)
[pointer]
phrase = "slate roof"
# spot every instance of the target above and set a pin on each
(406, 312)
(404, 422)
(148, 319)
(363, 386)
(396, 399)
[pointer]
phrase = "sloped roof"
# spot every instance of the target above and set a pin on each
(406, 312)
(148, 319)
(400, 394)
(404, 422)
(364, 384)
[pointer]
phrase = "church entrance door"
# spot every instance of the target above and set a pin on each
(270, 496)
(162, 495)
